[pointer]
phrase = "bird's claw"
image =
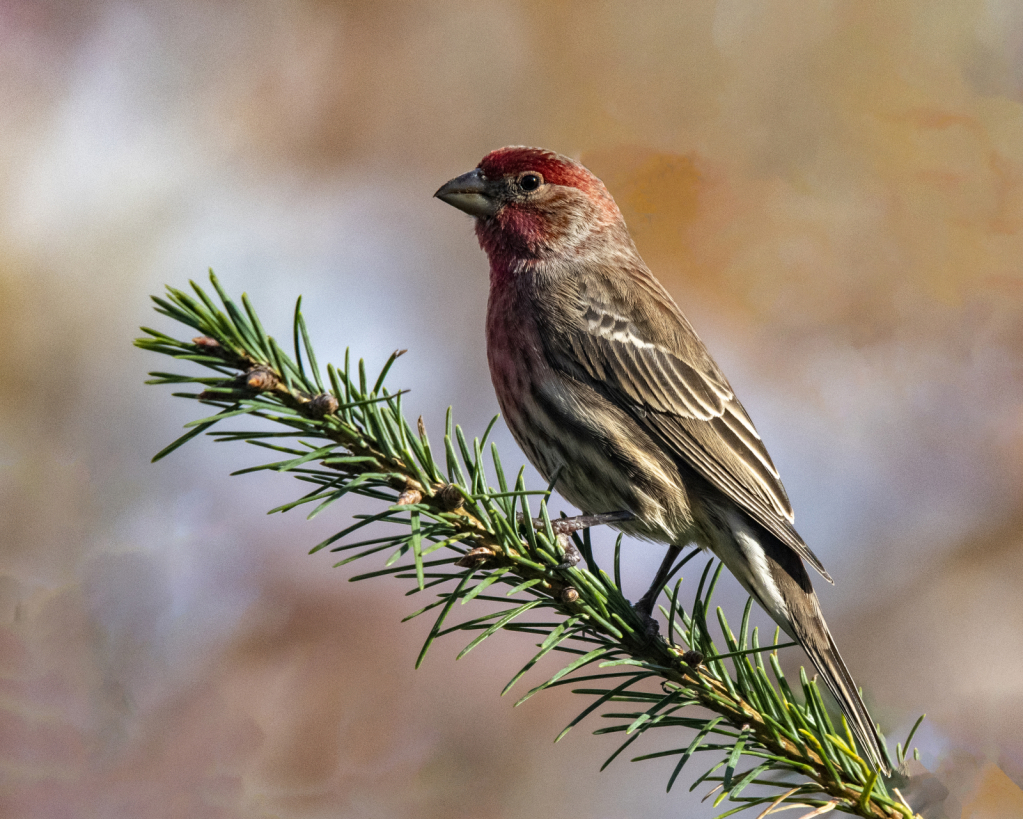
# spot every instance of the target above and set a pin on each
(566, 526)
(644, 611)
(563, 527)
(572, 554)
(651, 628)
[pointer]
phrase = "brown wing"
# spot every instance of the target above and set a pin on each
(661, 373)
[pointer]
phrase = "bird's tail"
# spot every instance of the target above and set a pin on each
(776, 577)
(816, 639)
(785, 592)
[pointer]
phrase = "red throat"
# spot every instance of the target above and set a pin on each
(511, 236)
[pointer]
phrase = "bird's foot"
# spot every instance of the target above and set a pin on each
(571, 555)
(564, 527)
(644, 610)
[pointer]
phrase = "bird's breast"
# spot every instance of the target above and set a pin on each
(518, 366)
(605, 462)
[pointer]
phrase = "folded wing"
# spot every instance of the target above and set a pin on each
(661, 373)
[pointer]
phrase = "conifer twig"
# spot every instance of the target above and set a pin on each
(461, 539)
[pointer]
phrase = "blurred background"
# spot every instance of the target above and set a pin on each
(832, 191)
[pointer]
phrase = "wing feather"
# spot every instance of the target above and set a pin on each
(662, 374)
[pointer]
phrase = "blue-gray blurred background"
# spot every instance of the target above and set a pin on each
(832, 191)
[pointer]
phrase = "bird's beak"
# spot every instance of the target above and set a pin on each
(469, 193)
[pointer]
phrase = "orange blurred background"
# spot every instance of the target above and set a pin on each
(832, 191)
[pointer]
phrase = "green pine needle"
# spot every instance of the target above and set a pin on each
(354, 440)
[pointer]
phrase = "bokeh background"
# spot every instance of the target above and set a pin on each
(832, 191)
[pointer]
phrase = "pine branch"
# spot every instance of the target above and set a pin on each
(462, 539)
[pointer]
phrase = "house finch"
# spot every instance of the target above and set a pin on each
(603, 382)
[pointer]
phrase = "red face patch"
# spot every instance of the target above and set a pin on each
(554, 168)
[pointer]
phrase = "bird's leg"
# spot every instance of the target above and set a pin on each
(645, 605)
(564, 527)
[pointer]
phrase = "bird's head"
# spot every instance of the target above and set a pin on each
(533, 204)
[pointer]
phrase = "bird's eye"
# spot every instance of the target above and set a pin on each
(530, 181)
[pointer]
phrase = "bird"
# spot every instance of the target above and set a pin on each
(607, 388)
